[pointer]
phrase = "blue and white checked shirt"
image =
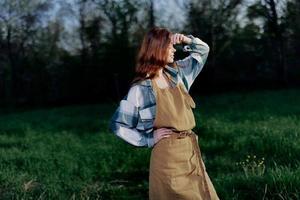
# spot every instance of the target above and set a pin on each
(133, 120)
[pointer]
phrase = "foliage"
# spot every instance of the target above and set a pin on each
(61, 52)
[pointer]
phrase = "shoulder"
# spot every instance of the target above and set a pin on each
(140, 94)
(144, 83)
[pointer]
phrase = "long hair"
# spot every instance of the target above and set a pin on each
(152, 54)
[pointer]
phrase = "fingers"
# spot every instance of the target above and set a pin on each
(165, 129)
(177, 38)
(174, 38)
(165, 136)
(181, 38)
(163, 132)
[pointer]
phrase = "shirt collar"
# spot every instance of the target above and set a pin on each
(172, 73)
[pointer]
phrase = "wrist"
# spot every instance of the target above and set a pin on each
(187, 40)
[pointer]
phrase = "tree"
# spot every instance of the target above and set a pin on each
(20, 22)
(268, 10)
(151, 14)
(122, 16)
(214, 21)
(291, 24)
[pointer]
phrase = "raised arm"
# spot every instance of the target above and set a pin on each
(190, 67)
(124, 121)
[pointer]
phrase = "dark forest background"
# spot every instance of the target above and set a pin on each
(83, 51)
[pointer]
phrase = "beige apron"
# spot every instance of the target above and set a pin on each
(177, 170)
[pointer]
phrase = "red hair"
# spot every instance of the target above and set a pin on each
(152, 55)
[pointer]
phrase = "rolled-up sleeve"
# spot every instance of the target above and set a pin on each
(124, 121)
(191, 66)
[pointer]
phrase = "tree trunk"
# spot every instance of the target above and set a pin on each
(151, 14)
(278, 42)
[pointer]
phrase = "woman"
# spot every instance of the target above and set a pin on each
(157, 113)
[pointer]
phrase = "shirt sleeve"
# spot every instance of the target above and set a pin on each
(124, 121)
(190, 67)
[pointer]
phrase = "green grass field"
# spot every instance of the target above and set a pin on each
(250, 144)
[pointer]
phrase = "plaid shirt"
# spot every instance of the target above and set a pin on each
(133, 120)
